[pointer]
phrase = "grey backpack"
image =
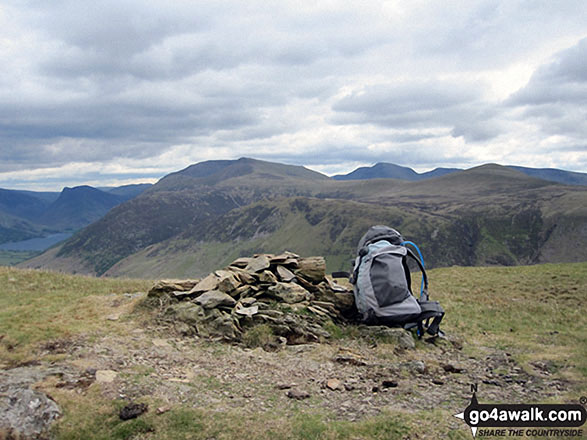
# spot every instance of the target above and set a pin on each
(382, 284)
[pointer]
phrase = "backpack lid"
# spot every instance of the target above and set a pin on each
(380, 232)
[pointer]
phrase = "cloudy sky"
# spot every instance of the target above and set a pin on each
(113, 92)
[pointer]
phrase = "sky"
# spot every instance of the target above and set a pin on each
(117, 92)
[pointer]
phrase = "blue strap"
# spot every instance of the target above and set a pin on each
(421, 261)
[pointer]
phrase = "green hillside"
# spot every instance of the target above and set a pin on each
(209, 213)
(519, 333)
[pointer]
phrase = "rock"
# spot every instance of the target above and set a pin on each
(347, 357)
(241, 262)
(345, 302)
(113, 317)
(163, 287)
(414, 367)
(312, 268)
(247, 311)
(159, 342)
(215, 298)
(285, 386)
(297, 394)
(246, 302)
(286, 258)
(132, 411)
(267, 277)
(163, 409)
(333, 384)
(284, 274)
(397, 336)
(25, 413)
(289, 293)
(244, 276)
(105, 376)
(258, 264)
(218, 324)
(228, 281)
(452, 368)
(389, 384)
(208, 283)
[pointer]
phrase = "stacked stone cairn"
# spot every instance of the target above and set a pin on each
(286, 293)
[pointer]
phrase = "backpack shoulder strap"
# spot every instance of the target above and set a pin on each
(424, 289)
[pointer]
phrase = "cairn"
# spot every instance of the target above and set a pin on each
(287, 294)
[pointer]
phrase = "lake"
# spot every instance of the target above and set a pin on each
(36, 244)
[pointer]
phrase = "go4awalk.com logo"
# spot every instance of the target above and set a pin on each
(517, 420)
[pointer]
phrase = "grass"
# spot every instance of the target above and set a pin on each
(11, 258)
(536, 313)
(533, 312)
(39, 307)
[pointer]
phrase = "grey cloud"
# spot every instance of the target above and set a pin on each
(455, 106)
(555, 98)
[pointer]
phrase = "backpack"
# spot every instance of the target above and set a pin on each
(382, 284)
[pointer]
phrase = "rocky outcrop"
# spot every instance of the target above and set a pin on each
(25, 413)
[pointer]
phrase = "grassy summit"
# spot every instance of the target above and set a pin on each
(522, 331)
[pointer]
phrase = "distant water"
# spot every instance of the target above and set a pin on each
(36, 244)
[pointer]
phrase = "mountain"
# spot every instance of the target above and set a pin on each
(29, 214)
(24, 204)
(555, 175)
(384, 170)
(79, 206)
(179, 200)
(127, 191)
(203, 216)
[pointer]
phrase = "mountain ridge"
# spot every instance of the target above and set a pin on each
(384, 170)
(184, 224)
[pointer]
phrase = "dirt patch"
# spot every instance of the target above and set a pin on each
(349, 379)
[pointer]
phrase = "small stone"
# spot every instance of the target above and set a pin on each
(105, 376)
(297, 394)
(452, 368)
(163, 409)
(247, 311)
(285, 274)
(437, 381)
(158, 342)
(389, 384)
(113, 317)
(285, 386)
(267, 277)
(350, 358)
(333, 384)
(132, 411)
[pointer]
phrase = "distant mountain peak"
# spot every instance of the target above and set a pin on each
(212, 172)
(385, 170)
